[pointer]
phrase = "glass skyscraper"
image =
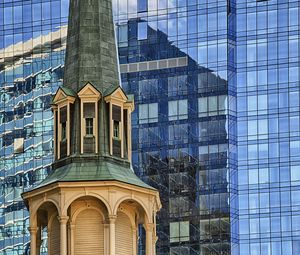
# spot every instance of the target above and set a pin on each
(267, 83)
(216, 127)
(32, 44)
(174, 59)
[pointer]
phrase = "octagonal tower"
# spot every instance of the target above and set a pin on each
(92, 202)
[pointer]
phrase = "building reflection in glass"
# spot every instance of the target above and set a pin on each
(183, 127)
(32, 43)
(181, 137)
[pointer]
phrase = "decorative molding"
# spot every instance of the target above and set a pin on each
(63, 219)
(62, 99)
(89, 92)
(118, 97)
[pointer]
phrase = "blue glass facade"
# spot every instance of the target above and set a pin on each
(177, 59)
(32, 44)
(216, 127)
(267, 64)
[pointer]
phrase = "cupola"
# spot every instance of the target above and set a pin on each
(92, 202)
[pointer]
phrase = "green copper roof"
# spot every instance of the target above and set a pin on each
(110, 90)
(68, 91)
(130, 98)
(91, 54)
(91, 57)
(92, 171)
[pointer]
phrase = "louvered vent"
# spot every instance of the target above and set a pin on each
(55, 238)
(124, 237)
(89, 233)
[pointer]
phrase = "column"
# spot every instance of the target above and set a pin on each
(63, 234)
(149, 227)
(71, 238)
(112, 234)
(33, 241)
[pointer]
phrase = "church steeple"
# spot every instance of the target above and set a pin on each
(92, 112)
(91, 50)
(92, 202)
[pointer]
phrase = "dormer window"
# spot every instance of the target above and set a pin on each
(62, 107)
(89, 97)
(64, 143)
(64, 135)
(120, 108)
(89, 110)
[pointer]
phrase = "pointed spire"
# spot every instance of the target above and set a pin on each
(92, 133)
(91, 54)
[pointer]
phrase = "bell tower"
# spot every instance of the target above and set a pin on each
(92, 202)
